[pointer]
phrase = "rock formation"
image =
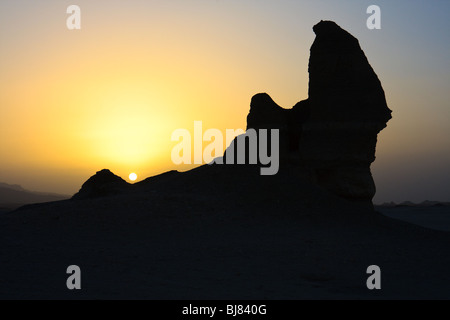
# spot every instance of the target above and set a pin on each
(328, 140)
(332, 135)
(103, 183)
(266, 114)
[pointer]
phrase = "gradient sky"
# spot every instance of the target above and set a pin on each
(110, 95)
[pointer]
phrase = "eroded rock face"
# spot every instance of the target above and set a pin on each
(333, 133)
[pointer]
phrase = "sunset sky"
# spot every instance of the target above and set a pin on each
(73, 102)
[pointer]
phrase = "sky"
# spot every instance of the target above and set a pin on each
(109, 95)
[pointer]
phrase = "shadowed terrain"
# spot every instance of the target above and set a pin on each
(181, 238)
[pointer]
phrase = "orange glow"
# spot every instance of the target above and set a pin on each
(73, 102)
(101, 98)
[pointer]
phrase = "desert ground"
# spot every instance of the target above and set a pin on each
(231, 240)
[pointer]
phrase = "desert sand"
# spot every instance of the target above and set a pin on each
(233, 240)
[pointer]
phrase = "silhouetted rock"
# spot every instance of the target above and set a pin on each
(332, 135)
(103, 183)
(348, 109)
(327, 140)
(266, 114)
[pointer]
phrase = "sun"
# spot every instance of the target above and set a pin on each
(132, 176)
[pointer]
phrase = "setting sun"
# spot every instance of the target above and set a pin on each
(132, 176)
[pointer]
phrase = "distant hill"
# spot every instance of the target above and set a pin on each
(425, 203)
(13, 196)
(11, 186)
